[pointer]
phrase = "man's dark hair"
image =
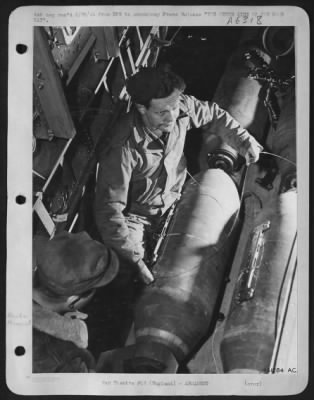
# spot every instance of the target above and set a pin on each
(153, 83)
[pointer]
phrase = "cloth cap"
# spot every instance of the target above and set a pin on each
(73, 263)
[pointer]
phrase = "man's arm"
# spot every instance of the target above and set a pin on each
(224, 125)
(114, 174)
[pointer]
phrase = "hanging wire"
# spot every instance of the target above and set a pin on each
(213, 349)
(276, 155)
(193, 179)
(175, 34)
(283, 282)
(283, 319)
(279, 332)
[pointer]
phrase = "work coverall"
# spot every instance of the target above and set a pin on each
(140, 176)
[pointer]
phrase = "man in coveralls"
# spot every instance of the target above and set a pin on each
(143, 172)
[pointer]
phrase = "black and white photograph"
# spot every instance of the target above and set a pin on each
(161, 228)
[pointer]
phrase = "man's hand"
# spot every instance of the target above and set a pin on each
(144, 272)
(252, 151)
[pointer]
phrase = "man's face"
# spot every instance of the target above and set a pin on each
(162, 113)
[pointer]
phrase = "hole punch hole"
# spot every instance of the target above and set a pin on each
(20, 199)
(21, 48)
(19, 351)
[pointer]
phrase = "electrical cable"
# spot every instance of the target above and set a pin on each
(213, 350)
(283, 319)
(175, 34)
(283, 281)
(276, 155)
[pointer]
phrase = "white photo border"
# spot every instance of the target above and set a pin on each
(19, 375)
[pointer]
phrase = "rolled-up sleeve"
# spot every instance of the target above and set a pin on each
(221, 122)
(113, 180)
